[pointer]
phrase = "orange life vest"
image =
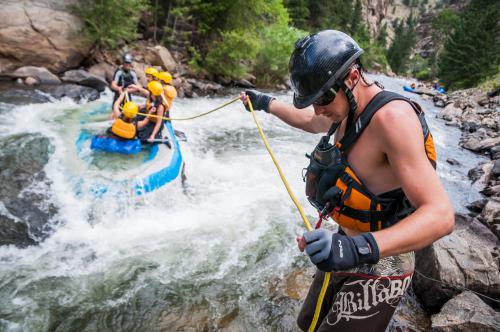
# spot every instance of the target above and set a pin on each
(124, 129)
(348, 201)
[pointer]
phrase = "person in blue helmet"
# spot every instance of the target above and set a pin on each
(362, 175)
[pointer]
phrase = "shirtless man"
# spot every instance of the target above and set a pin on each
(373, 173)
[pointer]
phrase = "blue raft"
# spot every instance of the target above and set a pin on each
(148, 167)
(110, 144)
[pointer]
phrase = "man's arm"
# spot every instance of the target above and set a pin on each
(434, 215)
(115, 114)
(114, 83)
(304, 119)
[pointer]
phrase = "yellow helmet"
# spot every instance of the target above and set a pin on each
(152, 71)
(166, 77)
(155, 88)
(130, 109)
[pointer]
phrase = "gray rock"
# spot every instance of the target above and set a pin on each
(75, 92)
(41, 74)
(491, 191)
(26, 212)
(495, 171)
(477, 206)
(465, 258)
(453, 162)
(29, 81)
(495, 152)
(450, 113)
(103, 70)
(479, 172)
(475, 144)
(409, 316)
(243, 84)
(466, 312)
(82, 77)
(490, 216)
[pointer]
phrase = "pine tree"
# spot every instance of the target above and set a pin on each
(299, 13)
(382, 36)
(472, 53)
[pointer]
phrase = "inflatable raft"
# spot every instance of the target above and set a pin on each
(140, 168)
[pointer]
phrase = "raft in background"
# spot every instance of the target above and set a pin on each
(424, 91)
(158, 164)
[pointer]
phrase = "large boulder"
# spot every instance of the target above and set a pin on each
(84, 78)
(75, 92)
(490, 215)
(41, 74)
(40, 33)
(466, 312)
(465, 258)
(160, 56)
(103, 70)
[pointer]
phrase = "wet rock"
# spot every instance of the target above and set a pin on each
(470, 126)
(490, 215)
(75, 92)
(477, 206)
(41, 74)
(491, 191)
(495, 171)
(453, 162)
(14, 233)
(82, 77)
(479, 172)
(19, 95)
(24, 189)
(409, 316)
(464, 258)
(223, 80)
(495, 152)
(466, 312)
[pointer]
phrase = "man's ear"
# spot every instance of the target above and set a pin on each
(352, 78)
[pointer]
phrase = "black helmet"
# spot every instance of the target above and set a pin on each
(318, 62)
(127, 58)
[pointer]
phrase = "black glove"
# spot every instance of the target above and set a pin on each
(340, 252)
(260, 101)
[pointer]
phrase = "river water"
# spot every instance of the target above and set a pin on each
(203, 256)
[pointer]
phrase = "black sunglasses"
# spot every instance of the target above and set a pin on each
(327, 97)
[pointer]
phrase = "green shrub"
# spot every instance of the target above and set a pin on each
(423, 75)
(111, 22)
(233, 54)
(277, 42)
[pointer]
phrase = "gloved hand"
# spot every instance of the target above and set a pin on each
(335, 252)
(260, 101)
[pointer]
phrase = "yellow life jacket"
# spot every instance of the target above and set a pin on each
(170, 94)
(334, 189)
(123, 129)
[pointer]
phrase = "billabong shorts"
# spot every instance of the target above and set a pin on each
(360, 299)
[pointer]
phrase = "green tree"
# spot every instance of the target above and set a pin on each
(398, 54)
(472, 53)
(299, 13)
(111, 22)
(382, 36)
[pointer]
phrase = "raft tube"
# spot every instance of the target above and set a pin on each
(114, 145)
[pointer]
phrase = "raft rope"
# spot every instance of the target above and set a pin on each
(326, 279)
(191, 117)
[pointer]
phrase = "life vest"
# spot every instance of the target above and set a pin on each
(335, 190)
(170, 94)
(124, 129)
(126, 78)
(156, 102)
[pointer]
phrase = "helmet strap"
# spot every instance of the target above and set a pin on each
(353, 106)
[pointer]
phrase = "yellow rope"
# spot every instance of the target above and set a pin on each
(285, 182)
(326, 280)
(192, 117)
